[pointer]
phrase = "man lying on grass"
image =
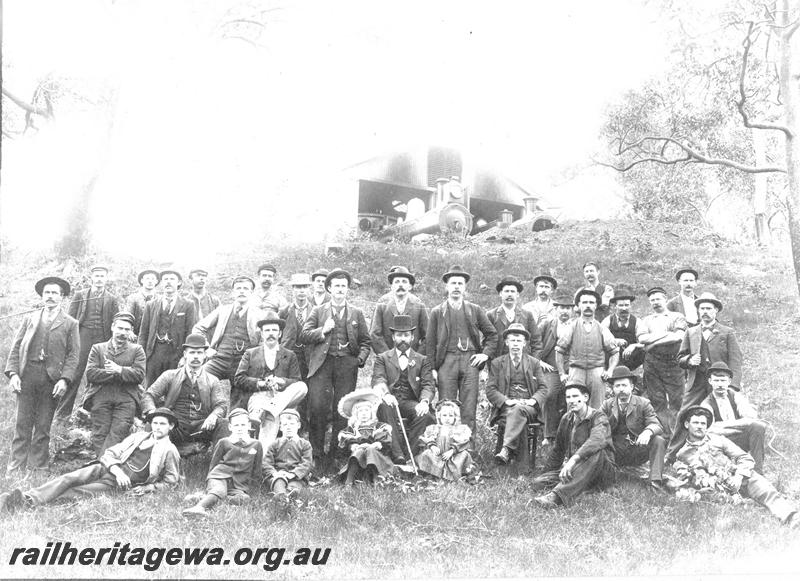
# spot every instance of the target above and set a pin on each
(143, 462)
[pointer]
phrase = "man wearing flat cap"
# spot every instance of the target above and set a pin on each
(684, 302)
(542, 307)
(233, 330)
(319, 295)
(136, 303)
(509, 312)
(42, 363)
(516, 390)
(204, 301)
(266, 297)
(165, 325)
(94, 309)
(115, 370)
(662, 332)
(459, 341)
(400, 301)
(338, 344)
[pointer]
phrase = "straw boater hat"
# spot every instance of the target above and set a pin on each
(164, 413)
(272, 321)
(402, 323)
(708, 298)
(517, 329)
(148, 271)
(587, 291)
(456, 270)
(686, 269)
(509, 280)
(363, 394)
(694, 411)
(402, 271)
(338, 273)
(300, 279)
(546, 277)
(40, 284)
(623, 293)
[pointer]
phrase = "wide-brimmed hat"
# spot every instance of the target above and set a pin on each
(622, 372)
(656, 289)
(243, 278)
(362, 394)
(402, 271)
(40, 284)
(509, 280)
(163, 412)
(587, 291)
(563, 299)
(402, 323)
(320, 272)
(170, 271)
(708, 298)
(517, 329)
(202, 271)
(272, 321)
(124, 316)
(140, 276)
(695, 410)
(456, 270)
(584, 388)
(546, 277)
(338, 273)
(623, 293)
(195, 341)
(686, 269)
(720, 367)
(300, 279)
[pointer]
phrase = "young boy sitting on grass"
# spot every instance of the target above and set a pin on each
(288, 459)
(368, 440)
(235, 468)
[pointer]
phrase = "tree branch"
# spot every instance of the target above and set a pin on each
(30, 108)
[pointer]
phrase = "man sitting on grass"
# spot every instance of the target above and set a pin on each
(143, 462)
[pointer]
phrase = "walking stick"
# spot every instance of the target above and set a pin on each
(405, 437)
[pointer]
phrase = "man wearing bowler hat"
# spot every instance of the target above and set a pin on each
(509, 312)
(635, 429)
(552, 329)
(42, 363)
(400, 301)
(516, 389)
(295, 315)
(338, 344)
(204, 301)
(403, 379)
(165, 325)
(196, 397)
(684, 302)
(459, 341)
(136, 303)
(625, 328)
(542, 306)
(94, 309)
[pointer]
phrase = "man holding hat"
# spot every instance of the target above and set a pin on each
(204, 301)
(625, 328)
(403, 379)
(94, 309)
(582, 455)
(319, 294)
(136, 303)
(399, 302)
(269, 378)
(551, 330)
(295, 315)
(143, 462)
(267, 298)
(542, 306)
(509, 312)
(460, 339)
(587, 351)
(684, 302)
(115, 370)
(165, 325)
(714, 454)
(662, 332)
(516, 390)
(42, 363)
(635, 429)
(338, 340)
(195, 397)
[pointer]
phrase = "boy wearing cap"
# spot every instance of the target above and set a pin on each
(509, 312)
(288, 460)
(516, 390)
(204, 301)
(165, 325)
(542, 307)
(94, 309)
(136, 303)
(143, 462)
(551, 330)
(267, 298)
(114, 372)
(684, 302)
(319, 294)
(41, 364)
(400, 301)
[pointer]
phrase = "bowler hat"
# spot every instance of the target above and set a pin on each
(623, 293)
(517, 329)
(686, 269)
(319, 272)
(170, 271)
(164, 413)
(563, 299)
(267, 266)
(547, 278)
(509, 280)
(124, 316)
(195, 341)
(202, 271)
(587, 291)
(720, 367)
(338, 273)
(155, 273)
(402, 323)
(656, 289)
(456, 270)
(40, 284)
(622, 372)
(402, 271)
(584, 388)
(300, 279)
(708, 298)
(694, 411)
(362, 394)
(272, 321)
(243, 278)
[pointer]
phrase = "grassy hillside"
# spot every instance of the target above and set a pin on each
(491, 529)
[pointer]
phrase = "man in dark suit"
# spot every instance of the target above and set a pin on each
(295, 315)
(338, 340)
(635, 429)
(136, 303)
(684, 302)
(404, 380)
(399, 302)
(270, 375)
(165, 325)
(94, 309)
(41, 364)
(516, 390)
(509, 312)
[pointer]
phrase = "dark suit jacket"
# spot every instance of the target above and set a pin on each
(386, 372)
(291, 332)
(592, 435)
(499, 383)
(549, 332)
(675, 304)
(253, 368)
(722, 346)
(63, 347)
(639, 415)
(439, 332)
(319, 343)
(498, 318)
(383, 318)
(182, 319)
(79, 302)
(132, 360)
(165, 390)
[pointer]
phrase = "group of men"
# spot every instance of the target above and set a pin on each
(197, 357)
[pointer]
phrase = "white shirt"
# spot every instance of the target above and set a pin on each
(510, 315)
(689, 308)
(270, 356)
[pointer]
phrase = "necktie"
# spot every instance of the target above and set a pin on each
(515, 358)
(238, 311)
(403, 360)
(300, 313)
(193, 377)
(168, 305)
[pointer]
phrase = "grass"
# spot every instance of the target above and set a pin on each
(491, 529)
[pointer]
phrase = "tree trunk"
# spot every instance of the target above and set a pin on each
(760, 188)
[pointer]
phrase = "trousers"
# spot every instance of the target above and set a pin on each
(164, 356)
(516, 419)
(335, 378)
(591, 378)
(416, 426)
(596, 470)
(459, 380)
(555, 405)
(628, 454)
(664, 384)
(88, 338)
(764, 493)
(36, 405)
(265, 407)
(112, 418)
(747, 433)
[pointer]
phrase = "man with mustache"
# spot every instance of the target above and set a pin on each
(591, 275)
(136, 303)
(684, 302)
(400, 301)
(551, 330)
(509, 312)
(626, 328)
(42, 362)
(204, 301)
(267, 297)
(542, 306)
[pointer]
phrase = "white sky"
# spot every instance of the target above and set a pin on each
(227, 137)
